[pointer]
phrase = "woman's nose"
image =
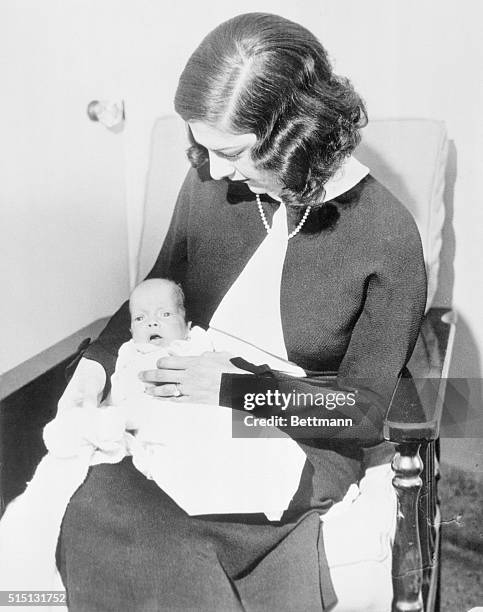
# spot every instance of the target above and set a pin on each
(220, 168)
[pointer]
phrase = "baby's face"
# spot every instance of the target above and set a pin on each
(155, 315)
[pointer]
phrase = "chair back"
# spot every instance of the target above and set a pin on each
(168, 166)
(408, 156)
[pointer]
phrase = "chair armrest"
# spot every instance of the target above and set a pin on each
(35, 367)
(416, 407)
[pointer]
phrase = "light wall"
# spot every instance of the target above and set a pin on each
(63, 252)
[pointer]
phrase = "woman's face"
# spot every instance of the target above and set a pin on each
(230, 157)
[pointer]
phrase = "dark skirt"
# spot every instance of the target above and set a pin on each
(126, 545)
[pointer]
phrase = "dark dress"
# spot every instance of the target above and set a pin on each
(352, 297)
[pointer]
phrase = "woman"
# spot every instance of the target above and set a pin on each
(282, 238)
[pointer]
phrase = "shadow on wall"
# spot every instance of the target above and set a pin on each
(466, 361)
(444, 293)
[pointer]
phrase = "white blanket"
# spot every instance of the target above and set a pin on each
(188, 449)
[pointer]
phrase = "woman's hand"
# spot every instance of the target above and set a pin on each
(85, 387)
(193, 379)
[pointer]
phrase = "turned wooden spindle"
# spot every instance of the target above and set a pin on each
(407, 561)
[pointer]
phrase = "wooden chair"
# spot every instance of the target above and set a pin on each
(29, 393)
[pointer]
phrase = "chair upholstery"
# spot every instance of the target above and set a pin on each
(407, 156)
(167, 168)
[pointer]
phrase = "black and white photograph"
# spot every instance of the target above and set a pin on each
(241, 308)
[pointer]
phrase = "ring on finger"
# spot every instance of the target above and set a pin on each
(177, 391)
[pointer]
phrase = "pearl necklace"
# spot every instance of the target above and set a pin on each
(268, 228)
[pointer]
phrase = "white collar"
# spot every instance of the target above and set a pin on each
(347, 176)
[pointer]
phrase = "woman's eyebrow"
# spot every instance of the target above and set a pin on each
(240, 147)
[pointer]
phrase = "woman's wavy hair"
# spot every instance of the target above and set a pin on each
(263, 74)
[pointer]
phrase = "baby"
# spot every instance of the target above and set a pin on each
(158, 323)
